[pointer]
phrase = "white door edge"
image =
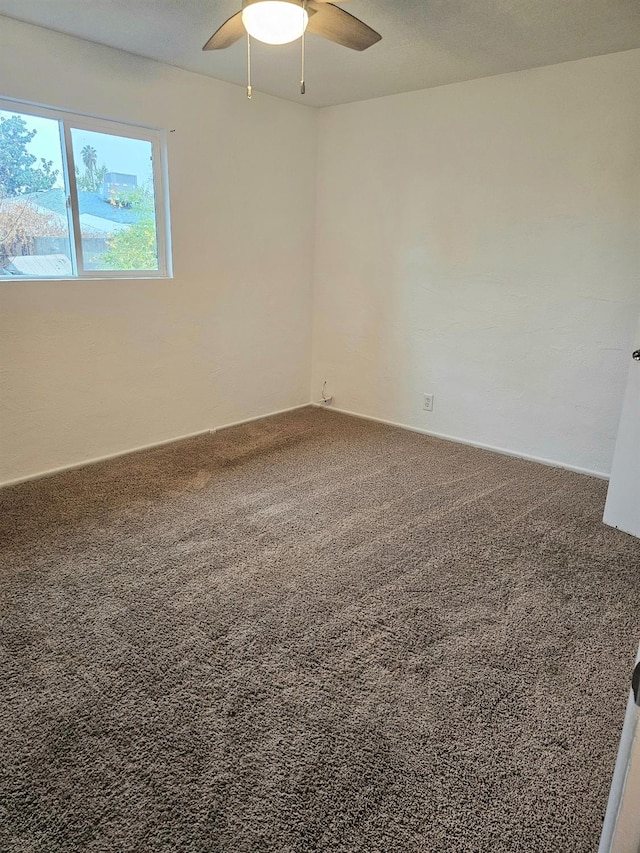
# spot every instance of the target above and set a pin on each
(621, 829)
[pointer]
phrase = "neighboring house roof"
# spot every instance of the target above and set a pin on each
(98, 218)
(90, 226)
(99, 225)
(39, 265)
(90, 203)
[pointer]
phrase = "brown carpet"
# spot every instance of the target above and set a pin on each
(311, 633)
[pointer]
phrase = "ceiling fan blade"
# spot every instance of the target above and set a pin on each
(229, 33)
(335, 24)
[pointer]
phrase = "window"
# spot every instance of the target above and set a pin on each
(79, 197)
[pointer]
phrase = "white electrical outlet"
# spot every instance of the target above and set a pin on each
(428, 403)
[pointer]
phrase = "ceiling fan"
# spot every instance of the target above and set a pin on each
(283, 21)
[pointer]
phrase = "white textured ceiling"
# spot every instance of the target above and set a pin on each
(424, 42)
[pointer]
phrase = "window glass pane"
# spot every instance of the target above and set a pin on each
(116, 201)
(34, 227)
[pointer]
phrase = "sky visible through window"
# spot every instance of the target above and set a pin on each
(46, 142)
(114, 210)
(117, 153)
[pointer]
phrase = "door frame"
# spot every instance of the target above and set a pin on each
(621, 829)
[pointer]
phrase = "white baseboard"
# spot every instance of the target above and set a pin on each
(505, 452)
(95, 459)
(261, 417)
(552, 463)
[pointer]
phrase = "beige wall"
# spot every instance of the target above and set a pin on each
(94, 368)
(480, 242)
(477, 241)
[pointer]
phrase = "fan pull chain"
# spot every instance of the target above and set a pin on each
(303, 87)
(249, 89)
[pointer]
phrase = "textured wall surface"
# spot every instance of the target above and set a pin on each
(480, 242)
(90, 369)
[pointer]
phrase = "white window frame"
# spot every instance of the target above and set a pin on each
(69, 121)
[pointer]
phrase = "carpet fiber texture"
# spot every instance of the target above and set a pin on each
(311, 633)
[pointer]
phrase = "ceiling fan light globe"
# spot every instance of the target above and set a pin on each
(275, 21)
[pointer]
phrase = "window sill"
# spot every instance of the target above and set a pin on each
(23, 279)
